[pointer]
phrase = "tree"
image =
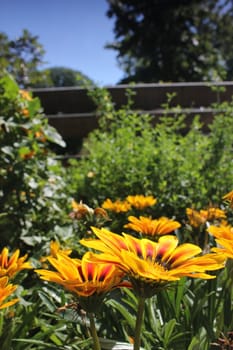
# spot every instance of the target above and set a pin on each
(62, 76)
(21, 58)
(173, 40)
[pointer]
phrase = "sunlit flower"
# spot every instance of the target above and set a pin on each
(141, 202)
(5, 291)
(229, 198)
(40, 136)
(80, 210)
(25, 112)
(224, 238)
(117, 206)
(152, 227)
(83, 277)
(27, 155)
(9, 266)
(198, 218)
(56, 249)
(25, 95)
(151, 265)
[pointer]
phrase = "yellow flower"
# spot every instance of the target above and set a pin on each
(84, 278)
(141, 202)
(152, 227)
(198, 218)
(55, 249)
(117, 206)
(25, 95)
(229, 198)
(80, 210)
(224, 237)
(9, 266)
(151, 265)
(5, 291)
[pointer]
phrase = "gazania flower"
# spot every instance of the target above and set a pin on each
(9, 266)
(141, 202)
(5, 291)
(198, 218)
(151, 265)
(86, 279)
(229, 198)
(117, 206)
(81, 210)
(224, 237)
(152, 227)
(55, 249)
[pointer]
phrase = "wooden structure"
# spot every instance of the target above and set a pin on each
(72, 112)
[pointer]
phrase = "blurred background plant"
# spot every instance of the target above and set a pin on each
(129, 154)
(33, 193)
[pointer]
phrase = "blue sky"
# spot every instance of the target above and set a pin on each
(72, 32)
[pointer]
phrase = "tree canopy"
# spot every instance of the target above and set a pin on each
(173, 40)
(23, 58)
(62, 76)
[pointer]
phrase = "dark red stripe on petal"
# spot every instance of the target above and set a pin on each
(90, 271)
(104, 272)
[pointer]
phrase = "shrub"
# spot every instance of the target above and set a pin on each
(33, 196)
(128, 154)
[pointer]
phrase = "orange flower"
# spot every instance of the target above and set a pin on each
(152, 227)
(117, 206)
(10, 266)
(55, 249)
(152, 265)
(25, 95)
(81, 209)
(229, 198)
(224, 237)
(141, 202)
(28, 155)
(5, 291)
(198, 218)
(84, 278)
(40, 136)
(25, 112)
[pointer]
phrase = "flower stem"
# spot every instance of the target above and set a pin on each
(139, 320)
(96, 343)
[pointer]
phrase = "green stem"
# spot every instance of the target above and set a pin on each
(139, 320)
(96, 343)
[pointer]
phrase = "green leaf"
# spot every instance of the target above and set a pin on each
(53, 136)
(168, 330)
(107, 344)
(10, 87)
(124, 312)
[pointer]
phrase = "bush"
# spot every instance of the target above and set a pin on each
(33, 191)
(128, 154)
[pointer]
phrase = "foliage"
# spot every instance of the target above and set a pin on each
(174, 40)
(33, 190)
(22, 58)
(128, 154)
(61, 76)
